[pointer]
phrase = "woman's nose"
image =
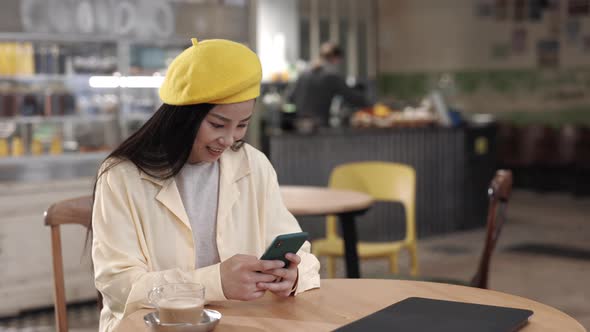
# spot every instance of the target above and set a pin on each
(226, 140)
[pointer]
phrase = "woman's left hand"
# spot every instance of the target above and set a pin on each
(286, 278)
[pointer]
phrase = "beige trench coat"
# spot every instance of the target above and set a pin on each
(142, 237)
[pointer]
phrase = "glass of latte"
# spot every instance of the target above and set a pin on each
(178, 303)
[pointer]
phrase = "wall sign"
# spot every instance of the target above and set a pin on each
(131, 18)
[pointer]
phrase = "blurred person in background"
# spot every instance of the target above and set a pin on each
(183, 199)
(313, 92)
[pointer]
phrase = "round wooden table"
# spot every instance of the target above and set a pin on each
(342, 301)
(322, 201)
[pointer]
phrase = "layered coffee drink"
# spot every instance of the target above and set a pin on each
(181, 310)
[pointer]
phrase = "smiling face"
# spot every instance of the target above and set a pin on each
(222, 127)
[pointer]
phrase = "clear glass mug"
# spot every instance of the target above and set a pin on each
(178, 303)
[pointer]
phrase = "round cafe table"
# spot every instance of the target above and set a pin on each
(342, 301)
(322, 201)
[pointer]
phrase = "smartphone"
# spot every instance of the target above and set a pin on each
(283, 244)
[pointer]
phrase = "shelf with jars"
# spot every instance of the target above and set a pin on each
(81, 95)
(46, 103)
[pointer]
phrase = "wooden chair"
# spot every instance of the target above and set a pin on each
(499, 192)
(71, 211)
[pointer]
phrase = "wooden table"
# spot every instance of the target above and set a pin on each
(322, 201)
(341, 301)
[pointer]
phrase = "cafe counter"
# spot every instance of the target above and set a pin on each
(453, 169)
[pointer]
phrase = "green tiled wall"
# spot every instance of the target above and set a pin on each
(505, 86)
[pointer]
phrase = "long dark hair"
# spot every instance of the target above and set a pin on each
(163, 144)
(159, 148)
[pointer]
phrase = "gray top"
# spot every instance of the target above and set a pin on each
(198, 185)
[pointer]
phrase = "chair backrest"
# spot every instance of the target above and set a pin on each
(529, 137)
(582, 161)
(71, 211)
(569, 135)
(499, 194)
(384, 181)
(509, 146)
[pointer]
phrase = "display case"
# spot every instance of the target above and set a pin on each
(63, 96)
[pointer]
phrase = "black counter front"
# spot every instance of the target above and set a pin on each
(453, 169)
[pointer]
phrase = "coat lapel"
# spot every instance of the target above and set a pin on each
(233, 166)
(170, 198)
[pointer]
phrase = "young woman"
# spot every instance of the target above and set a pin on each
(185, 200)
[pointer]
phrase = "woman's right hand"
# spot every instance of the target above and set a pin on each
(240, 273)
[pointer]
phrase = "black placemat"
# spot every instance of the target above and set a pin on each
(420, 314)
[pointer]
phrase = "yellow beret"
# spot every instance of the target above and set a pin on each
(214, 71)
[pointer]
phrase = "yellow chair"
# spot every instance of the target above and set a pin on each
(384, 181)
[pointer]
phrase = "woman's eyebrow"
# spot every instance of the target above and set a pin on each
(223, 118)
